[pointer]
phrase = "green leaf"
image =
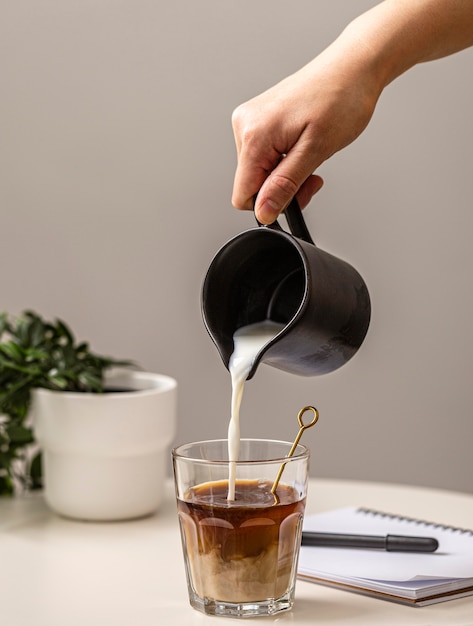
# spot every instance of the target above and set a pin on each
(4, 440)
(36, 472)
(6, 459)
(34, 354)
(68, 355)
(58, 381)
(14, 367)
(37, 333)
(6, 486)
(82, 350)
(64, 331)
(92, 382)
(19, 434)
(12, 350)
(3, 323)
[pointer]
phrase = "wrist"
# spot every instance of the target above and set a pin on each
(382, 49)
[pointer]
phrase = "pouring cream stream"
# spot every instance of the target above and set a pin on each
(247, 342)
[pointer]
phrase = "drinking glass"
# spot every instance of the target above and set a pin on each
(241, 555)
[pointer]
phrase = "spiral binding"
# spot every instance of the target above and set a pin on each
(393, 516)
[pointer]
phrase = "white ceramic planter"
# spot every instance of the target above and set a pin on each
(105, 455)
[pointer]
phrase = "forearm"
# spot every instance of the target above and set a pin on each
(398, 34)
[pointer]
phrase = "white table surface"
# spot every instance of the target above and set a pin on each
(58, 572)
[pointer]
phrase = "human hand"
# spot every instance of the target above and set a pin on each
(284, 134)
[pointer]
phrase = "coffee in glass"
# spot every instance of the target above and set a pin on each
(241, 554)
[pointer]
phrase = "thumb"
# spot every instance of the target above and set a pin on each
(288, 178)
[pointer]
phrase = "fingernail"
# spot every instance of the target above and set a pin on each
(268, 211)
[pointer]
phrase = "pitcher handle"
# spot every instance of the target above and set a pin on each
(295, 221)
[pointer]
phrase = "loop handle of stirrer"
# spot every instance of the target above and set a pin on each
(302, 428)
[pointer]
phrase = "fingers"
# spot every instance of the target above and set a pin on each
(275, 160)
(274, 178)
(256, 159)
(248, 181)
(292, 176)
(309, 188)
(266, 212)
(274, 192)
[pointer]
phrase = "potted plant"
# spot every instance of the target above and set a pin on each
(102, 430)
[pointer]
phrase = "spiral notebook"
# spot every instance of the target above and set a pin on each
(409, 578)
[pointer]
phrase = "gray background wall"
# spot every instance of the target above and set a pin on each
(116, 169)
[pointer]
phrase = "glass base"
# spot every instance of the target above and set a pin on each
(242, 609)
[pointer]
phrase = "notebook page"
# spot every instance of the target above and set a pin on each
(452, 560)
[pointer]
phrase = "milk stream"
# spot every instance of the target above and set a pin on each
(247, 342)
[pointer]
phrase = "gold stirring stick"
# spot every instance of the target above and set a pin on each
(296, 440)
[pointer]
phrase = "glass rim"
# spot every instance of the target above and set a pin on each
(301, 452)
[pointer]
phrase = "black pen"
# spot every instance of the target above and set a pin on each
(391, 543)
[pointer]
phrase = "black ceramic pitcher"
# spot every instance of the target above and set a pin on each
(268, 273)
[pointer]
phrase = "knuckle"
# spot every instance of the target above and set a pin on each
(246, 124)
(285, 184)
(239, 116)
